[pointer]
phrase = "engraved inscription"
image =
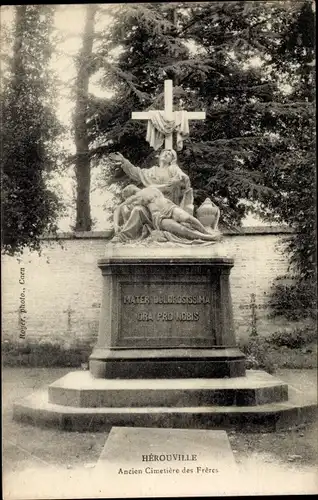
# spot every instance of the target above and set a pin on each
(187, 316)
(136, 299)
(169, 316)
(162, 313)
(166, 299)
(144, 316)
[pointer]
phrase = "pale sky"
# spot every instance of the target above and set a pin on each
(69, 22)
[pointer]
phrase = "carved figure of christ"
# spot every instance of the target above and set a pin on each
(168, 112)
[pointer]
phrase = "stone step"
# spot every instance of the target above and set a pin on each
(80, 389)
(37, 410)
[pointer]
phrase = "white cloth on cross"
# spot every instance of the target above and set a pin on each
(158, 127)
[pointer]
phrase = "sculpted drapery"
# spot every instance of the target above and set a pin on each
(175, 184)
(165, 220)
(137, 222)
(159, 127)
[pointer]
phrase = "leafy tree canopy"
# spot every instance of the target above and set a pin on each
(29, 127)
(206, 50)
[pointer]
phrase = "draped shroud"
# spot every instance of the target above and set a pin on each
(159, 127)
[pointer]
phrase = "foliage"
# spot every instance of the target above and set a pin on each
(290, 168)
(29, 127)
(242, 102)
(42, 355)
(298, 337)
(256, 352)
(294, 300)
(282, 349)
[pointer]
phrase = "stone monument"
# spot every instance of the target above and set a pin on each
(166, 354)
(167, 310)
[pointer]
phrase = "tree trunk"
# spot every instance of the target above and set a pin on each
(173, 18)
(82, 162)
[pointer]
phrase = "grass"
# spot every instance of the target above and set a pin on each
(260, 354)
(44, 355)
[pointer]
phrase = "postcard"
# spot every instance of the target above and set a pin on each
(158, 250)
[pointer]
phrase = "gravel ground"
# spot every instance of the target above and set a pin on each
(47, 463)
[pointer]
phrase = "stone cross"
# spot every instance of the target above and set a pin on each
(69, 312)
(253, 307)
(169, 113)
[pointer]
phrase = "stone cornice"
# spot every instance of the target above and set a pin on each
(107, 234)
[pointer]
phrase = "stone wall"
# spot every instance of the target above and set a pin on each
(59, 293)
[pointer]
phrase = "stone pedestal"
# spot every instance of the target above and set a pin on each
(166, 314)
(166, 354)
